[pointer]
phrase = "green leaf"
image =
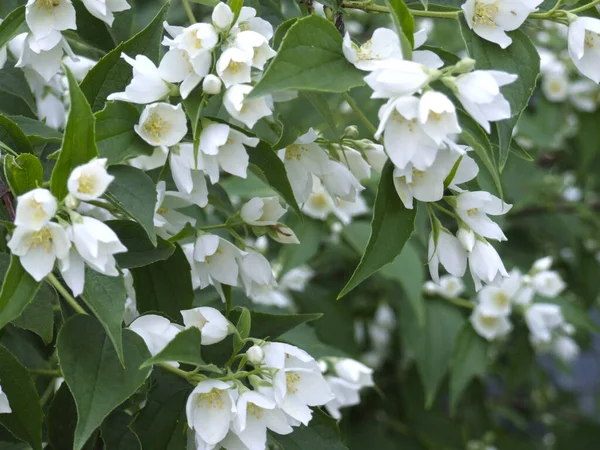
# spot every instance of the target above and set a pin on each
(37, 131)
(244, 323)
(322, 433)
(281, 31)
(15, 93)
(185, 348)
(469, 360)
(305, 337)
(236, 8)
(274, 325)
(310, 58)
(489, 56)
(38, 316)
(391, 228)
(62, 420)
(431, 345)
(165, 286)
(25, 421)
(11, 135)
(272, 171)
(134, 194)
(11, 24)
(18, 290)
(405, 25)
(116, 433)
(92, 371)
(309, 232)
(79, 144)
(319, 101)
(106, 296)
(112, 73)
(23, 173)
(92, 30)
(116, 139)
(140, 251)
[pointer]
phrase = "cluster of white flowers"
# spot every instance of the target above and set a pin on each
(285, 383)
(376, 333)
(39, 241)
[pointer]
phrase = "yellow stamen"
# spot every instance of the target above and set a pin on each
(42, 237)
(211, 399)
(255, 410)
(485, 13)
(87, 183)
(156, 126)
(294, 151)
(47, 4)
(291, 381)
(472, 212)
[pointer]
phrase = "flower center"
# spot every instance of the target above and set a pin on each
(235, 67)
(294, 151)
(556, 87)
(255, 410)
(291, 381)
(488, 321)
(87, 182)
(501, 299)
(42, 237)
(590, 39)
(47, 4)
(484, 14)
(434, 115)
(38, 209)
(162, 211)
(211, 399)
(472, 212)
(156, 126)
(319, 200)
(364, 51)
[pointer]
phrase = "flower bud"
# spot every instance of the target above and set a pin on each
(464, 65)
(222, 16)
(351, 132)
(430, 288)
(71, 202)
(255, 355)
(542, 264)
(212, 84)
(467, 238)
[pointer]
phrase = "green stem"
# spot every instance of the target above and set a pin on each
(359, 113)
(176, 371)
(188, 11)
(444, 210)
(47, 395)
(584, 7)
(46, 372)
(461, 302)
(68, 297)
(370, 7)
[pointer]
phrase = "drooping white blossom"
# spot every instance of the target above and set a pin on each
(448, 252)
(548, 283)
(473, 208)
(162, 124)
(216, 259)
(46, 18)
(247, 111)
(209, 410)
(156, 331)
(383, 45)
(262, 211)
(256, 273)
(485, 264)
(212, 324)
(490, 327)
(584, 46)
(105, 9)
(90, 180)
(543, 320)
(35, 209)
(146, 86)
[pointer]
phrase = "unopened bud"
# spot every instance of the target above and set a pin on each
(211, 84)
(255, 355)
(430, 288)
(542, 264)
(351, 132)
(467, 238)
(222, 16)
(464, 65)
(322, 366)
(71, 202)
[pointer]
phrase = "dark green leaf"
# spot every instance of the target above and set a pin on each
(185, 348)
(309, 232)
(15, 93)
(25, 421)
(11, 24)
(134, 194)
(140, 251)
(115, 137)
(92, 30)
(62, 419)
(37, 131)
(23, 173)
(310, 58)
(405, 25)
(106, 296)
(322, 433)
(112, 73)
(92, 371)
(79, 144)
(391, 228)
(274, 325)
(165, 286)
(11, 135)
(116, 433)
(319, 101)
(244, 323)
(18, 290)
(305, 337)
(38, 316)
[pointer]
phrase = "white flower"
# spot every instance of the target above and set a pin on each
(158, 158)
(256, 273)
(213, 325)
(548, 283)
(466, 236)
(485, 263)
(38, 249)
(345, 394)
(490, 19)
(319, 204)
(383, 45)
(565, 348)
(246, 111)
(397, 78)
(354, 372)
(223, 147)
(448, 252)
(104, 9)
(199, 38)
(255, 355)
(582, 94)
(473, 208)
(209, 410)
(156, 331)
(90, 180)
(212, 85)
(450, 286)
(346, 211)
(97, 244)
(162, 124)
(216, 260)
(4, 404)
(262, 211)
(35, 209)
(177, 66)
(256, 46)
(45, 61)
(584, 46)
(542, 264)
(555, 86)
(340, 182)
(51, 110)
(234, 66)
(297, 278)
(283, 235)
(72, 269)
(255, 413)
(222, 16)
(479, 93)
(79, 67)
(167, 220)
(46, 17)
(425, 57)
(437, 116)
(248, 21)
(354, 160)
(490, 327)
(496, 300)
(543, 319)
(146, 86)
(186, 175)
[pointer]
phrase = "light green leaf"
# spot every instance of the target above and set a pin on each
(305, 337)
(391, 228)
(405, 25)
(134, 194)
(310, 58)
(115, 137)
(165, 286)
(489, 56)
(322, 433)
(79, 143)
(13, 136)
(140, 251)
(37, 131)
(106, 296)
(23, 173)
(11, 24)
(18, 289)
(184, 347)
(38, 316)
(244, 323)
(469, 360)
(112, 73)
(25, 420)
(92, 371)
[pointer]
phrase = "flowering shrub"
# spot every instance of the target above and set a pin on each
(247, 225)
